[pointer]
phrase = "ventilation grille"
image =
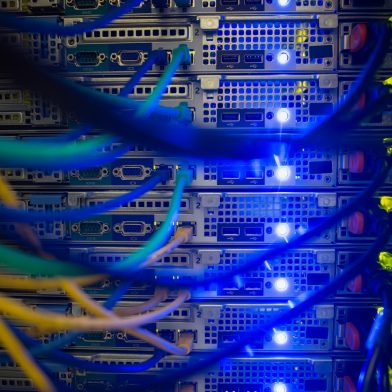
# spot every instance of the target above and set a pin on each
(45, 48)
(265, 372)
(270, 95)
(271, 208)
(295, 36)
(11, 96)
(177, 259)
(148, 33)
(144, 90)
(10, 5)
(144, 204)
(295, 265)
(301, 162)
(12, 118)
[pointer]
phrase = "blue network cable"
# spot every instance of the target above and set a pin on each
(253, 261)
(181, 55)
(113, 113)
(77, 214)
(39, 25)
(154, 57)
(204, 361)
(58, 356)
(50, 350)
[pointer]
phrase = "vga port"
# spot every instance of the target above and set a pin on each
(85, 4)
(87, 59)
(130, 57)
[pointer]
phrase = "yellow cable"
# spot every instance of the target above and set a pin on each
(10, 199)
(94, 308)
(22, 357)
(47, 321)
(7, 194)
(182, 235)
(161, 294)
(14, 282)
(26, 283)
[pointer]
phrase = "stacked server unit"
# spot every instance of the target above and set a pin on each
(269, 67)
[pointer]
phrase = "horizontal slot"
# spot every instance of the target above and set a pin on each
(253, 58)
(254, 231)
(230, 174)
(230, 117)
(231, 231)
(253, 116)
(230, 58)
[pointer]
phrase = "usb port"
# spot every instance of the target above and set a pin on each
(230, 58)
(253, 116)
(229, 2)
(253, 58)
(253, 231)
(230, 175)
(252, 2)
(230, 117)
(231, 231)
(253, 175)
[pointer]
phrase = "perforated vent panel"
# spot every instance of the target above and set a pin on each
(266, 373)
(295, 36)
(270, 95)
(294, 266)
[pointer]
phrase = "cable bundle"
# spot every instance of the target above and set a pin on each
(123, 121)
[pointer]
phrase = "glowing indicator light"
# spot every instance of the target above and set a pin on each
(283, 173)
(282, 230)
(283, 58)
(267, 265)
(280, 387)
(281, 284)
(280, 337)
(283, 115)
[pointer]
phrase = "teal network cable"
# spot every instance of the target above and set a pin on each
(15, 260)
(49, 155)
(181, 55)
(160, 237)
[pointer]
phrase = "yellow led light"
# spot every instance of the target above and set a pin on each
(380, 309)
(386, 203)
(388, 82)
(385, 260)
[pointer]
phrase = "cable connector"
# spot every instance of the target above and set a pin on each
(185, 114)
(385, 261)
(183, 50)
(187, 174)
(386, 203)
(164, 172)
(185, 340)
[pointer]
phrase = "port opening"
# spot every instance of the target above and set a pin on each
(230, 117)
(253, 116)
(87, 59)
(253, 231)
(231, 231)
(230, 175)
(129, 57)
(133, 228)
(230, 58)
